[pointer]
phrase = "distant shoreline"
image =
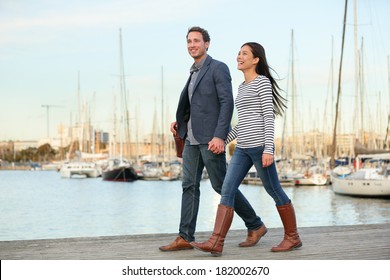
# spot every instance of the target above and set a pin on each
(15, 167)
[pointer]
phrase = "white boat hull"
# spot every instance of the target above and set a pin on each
(79, 170)
(313, 180)
(361, 187)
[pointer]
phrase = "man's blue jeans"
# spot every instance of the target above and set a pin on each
(241, 162)
(195, 158)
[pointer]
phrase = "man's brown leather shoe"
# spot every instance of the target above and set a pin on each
(178, 244)
(254, 236)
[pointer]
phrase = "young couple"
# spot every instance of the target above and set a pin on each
(203, 118)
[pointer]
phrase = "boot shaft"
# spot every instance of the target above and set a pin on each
(223, 221)
(291, 238)
(287, 215)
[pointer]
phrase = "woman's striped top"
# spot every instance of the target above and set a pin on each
(256, 120)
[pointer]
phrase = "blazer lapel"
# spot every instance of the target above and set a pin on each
(203, 71)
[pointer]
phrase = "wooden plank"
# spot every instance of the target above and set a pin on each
(356, 242)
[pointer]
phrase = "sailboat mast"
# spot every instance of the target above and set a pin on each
(332, 80)
(333, 152)
(356, 121)
(162, 115)
(388, 119)
(113, 142)
(362, 93)
(293, 98)
(136, 134)
(285, 115)
(154, 154)
(122, 96)
(327, 127)
(125, 131)
(81, 121)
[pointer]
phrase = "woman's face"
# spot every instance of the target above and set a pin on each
(245, 59)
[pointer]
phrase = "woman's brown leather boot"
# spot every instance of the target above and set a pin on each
(291, 238)
(223, 222)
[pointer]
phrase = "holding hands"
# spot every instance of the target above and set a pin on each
(216, 145)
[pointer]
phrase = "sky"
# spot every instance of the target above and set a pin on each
(58, 52)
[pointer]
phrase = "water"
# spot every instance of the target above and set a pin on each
(41, 204)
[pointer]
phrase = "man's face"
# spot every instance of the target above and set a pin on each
(197, 48)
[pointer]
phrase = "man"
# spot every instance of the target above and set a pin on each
(203, 117)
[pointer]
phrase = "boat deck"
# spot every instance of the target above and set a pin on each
(355, 242)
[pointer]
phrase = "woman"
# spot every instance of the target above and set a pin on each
(257, 103)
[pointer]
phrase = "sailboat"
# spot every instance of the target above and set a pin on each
(120, 169)
(307, 171)
(83, 165)
(371, 180)
(79, 167)
(151, 169)
(371, 174)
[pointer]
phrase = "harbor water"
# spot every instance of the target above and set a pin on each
(42, 205)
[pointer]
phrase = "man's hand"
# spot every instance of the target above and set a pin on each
(216, 145)
(174, 128)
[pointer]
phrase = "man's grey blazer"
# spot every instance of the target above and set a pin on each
(211, 106)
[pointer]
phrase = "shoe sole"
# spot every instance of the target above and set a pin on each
(293, 248)
(181, 249)
(215, 254)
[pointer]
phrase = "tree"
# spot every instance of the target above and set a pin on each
(46, 152)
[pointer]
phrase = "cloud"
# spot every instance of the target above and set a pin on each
(34, 22)
(96, 13)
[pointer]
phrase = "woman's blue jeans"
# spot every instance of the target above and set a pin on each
(242, 160)
(195, 158)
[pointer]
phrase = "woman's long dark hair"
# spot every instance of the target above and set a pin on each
(262, 68)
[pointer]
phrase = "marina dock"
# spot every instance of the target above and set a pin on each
(352, 242)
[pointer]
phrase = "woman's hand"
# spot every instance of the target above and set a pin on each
(267, 160)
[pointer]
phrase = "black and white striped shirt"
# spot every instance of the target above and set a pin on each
(255, 116)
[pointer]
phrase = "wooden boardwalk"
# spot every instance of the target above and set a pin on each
(357, 242)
